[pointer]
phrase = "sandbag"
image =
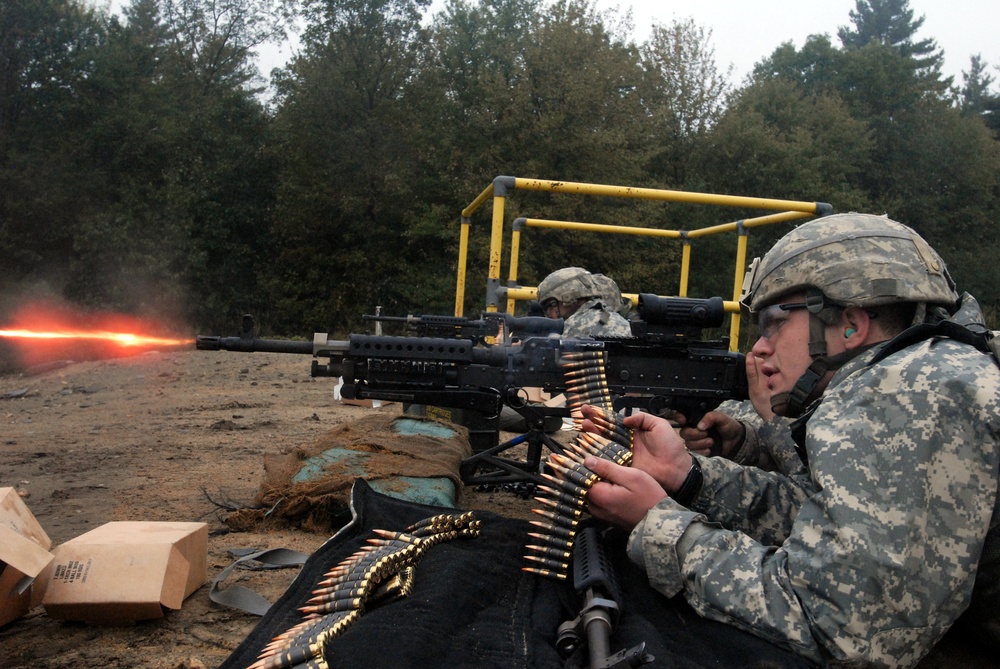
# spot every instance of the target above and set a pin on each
(408, 457)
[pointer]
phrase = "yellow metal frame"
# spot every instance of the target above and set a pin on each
(499, 189)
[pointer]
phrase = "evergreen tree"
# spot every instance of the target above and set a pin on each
(891, 22)
(976, 98)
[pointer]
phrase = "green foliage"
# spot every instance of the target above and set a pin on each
(347, 196)
(145, 158)
(923, 161)
(45, 50)
(683, 96)
(890, 22)
(976, 98)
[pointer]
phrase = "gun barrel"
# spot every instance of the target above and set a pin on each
(253, 345)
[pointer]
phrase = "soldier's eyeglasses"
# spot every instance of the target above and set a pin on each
(550, 304)
(770, 320)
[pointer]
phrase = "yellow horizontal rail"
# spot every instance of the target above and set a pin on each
(665, 195)
(601, 227)
(756, 222)
(499, 189)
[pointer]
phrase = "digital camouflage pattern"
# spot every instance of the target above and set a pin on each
(867, 556)
(598, 316)
(593, 319)
(855, 259)
(568, 284)
(611, 295)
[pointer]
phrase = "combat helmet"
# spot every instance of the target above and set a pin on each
(859, 260)
(568, 284)
(611, 295)
(839, 261)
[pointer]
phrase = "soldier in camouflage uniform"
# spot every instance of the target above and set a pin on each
(585, 304)
(864, 545)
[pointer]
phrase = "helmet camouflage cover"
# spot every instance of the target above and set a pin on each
(858, 260)
(610, 293)
(568, 285)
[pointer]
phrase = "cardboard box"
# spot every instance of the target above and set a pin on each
(126, 571)
(24, 554)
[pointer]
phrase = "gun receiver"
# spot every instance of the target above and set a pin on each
(479, 330)
(662, 368)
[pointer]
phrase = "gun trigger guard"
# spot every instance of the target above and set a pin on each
(517, 398)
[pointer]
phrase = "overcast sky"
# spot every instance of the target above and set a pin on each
(745, 31)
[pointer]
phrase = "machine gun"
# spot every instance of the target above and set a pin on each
(663, 367)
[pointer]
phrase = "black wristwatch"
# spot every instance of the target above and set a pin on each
(691, 486)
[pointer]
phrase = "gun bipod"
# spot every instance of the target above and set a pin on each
(488, 467)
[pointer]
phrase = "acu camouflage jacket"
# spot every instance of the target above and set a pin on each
(868, 554)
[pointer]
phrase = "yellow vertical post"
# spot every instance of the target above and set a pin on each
(685, 264)
(496, 249)
(741, 263)
(463, 257)
(515, 255)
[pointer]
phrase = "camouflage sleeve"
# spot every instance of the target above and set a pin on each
(881, 557)
(772, 441)
(759, 503)
(751, 452)
(767, 444)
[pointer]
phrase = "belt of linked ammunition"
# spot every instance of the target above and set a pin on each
(380, 571)
(563, 501)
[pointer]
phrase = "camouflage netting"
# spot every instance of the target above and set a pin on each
(407, 457)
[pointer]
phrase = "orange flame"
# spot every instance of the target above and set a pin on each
(120, 338)
(42, 332)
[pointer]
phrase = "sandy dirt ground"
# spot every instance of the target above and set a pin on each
(164, 437)
(172, 436)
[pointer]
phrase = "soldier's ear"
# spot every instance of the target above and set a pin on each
(856, 325)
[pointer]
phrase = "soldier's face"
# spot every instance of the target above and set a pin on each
(557, 309)
(783, 347)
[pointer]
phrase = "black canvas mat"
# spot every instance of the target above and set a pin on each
(472, 606)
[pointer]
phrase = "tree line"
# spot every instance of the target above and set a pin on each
(143, 168)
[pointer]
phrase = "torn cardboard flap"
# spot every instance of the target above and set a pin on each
(15, 515)
(126, 571)
(23, 556)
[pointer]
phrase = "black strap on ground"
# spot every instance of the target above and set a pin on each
(244, 599)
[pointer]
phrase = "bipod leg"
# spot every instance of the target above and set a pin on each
(510, 470)
(489, 467)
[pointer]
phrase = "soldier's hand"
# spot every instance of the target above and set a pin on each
(715, 434)
(657, 449)
(624, 494)
(760, 396)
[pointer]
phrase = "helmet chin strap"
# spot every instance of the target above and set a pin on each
(791, 404)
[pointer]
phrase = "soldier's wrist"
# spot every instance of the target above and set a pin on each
(691, 486)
